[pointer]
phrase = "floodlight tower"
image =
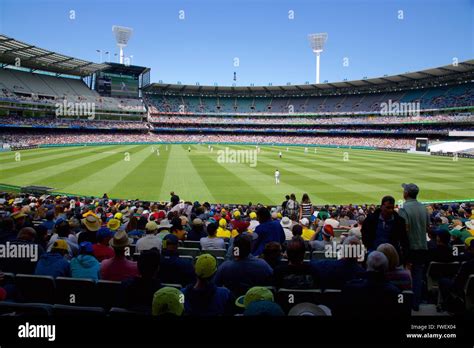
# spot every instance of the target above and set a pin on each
(122, 35)
(317, 43)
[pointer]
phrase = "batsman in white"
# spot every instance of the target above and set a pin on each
(277, 177)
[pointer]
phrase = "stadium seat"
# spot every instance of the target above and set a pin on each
(469, 293)
(215, 252)
(331, 297)
(60, 310)
(287, 298)
(135, 256)
(35, 288)
(176, 286)
(107, 293)
(407, 303)
(187, 257)
(189, 252)
(220, 260)
(321, 255)
(122, 313)
(8, 277)
(307, 255)
(437, 270)
(192, 244)
(25, 309)
(74, 291)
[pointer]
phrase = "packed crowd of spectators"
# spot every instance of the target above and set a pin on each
(100, 102)
(354, 120)
(371, 252)
(70, 122)
(16, 138)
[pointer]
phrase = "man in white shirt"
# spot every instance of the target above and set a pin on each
(149, 240)
(277, 177)
(332, 221)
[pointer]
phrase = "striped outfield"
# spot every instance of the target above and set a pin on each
(202, 175)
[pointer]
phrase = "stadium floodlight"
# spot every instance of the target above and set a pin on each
(122, 35)
(317, 43)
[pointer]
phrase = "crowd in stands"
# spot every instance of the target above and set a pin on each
(69, 122)
(246, 254)
(16, 138)
(354, 120)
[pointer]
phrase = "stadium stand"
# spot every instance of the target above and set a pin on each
(46, 295)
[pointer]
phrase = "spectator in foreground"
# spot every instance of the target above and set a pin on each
(174, 269)
(385, 226)
(374, 296)
(272, 254)
(211, 242)
(417, 225)
(308, 234)
(53, 263)
(320, 245)
(118, 267)
(149, 240)
(102, 249)
(245, 270)
(443, 251)
(452, 290)
(197, 230)
(91, 225)
(267, 231)
(137, 292)
(85, 265)
(204, 298)
(396, 274)
(333, 274)
(287, 224)
(296, 274)
(167, 302)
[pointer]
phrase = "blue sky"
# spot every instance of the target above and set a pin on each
(270, 46)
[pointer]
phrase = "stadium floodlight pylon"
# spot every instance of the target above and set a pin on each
(317, 43)
(122, 35)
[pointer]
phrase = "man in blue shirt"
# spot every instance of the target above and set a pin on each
(245, 271)
(267, 231)
(173, 269)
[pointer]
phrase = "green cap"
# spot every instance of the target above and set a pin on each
(257, 293)
(168, 300)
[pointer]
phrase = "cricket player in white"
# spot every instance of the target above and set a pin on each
(305, 150)
(277, 177)
(279, 154)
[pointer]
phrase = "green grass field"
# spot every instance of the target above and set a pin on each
(364, 178)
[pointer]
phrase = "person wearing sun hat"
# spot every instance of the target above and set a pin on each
(168, 301)
(149, 240)
(238, 224)
(114, 224)
(222, 231)
(91, 224)
(257, 293)
(53, 262)
(308, 233)
(253, 221)
(287, 224)
(118, 267)
(204, 298)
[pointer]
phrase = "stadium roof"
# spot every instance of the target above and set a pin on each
(461, 72)
(36, 58)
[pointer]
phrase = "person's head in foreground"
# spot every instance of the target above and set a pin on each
(257, 293)
(148, 263)
(410, 191)
(391, 253)
(307, 309)
(119, 242)
(205, 267)
(377, 262)
(242, 246)
(168, 302)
